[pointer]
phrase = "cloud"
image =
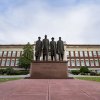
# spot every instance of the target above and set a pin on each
(24, 20)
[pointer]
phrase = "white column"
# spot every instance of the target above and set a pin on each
(65, 55)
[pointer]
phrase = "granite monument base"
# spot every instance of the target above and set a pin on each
(48, 70)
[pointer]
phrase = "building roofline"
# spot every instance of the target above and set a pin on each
(82, 44)
(13, 44)
(64, 44)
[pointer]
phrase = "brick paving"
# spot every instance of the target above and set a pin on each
(50, 89)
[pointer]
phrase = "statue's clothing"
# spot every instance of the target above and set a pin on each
(45, 48)
(60, 49)
(53, 49)
(38, 49)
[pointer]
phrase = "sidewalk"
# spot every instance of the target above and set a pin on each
(50, 89)
(14, 76)
(25, 76)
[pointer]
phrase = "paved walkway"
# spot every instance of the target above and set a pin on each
(46, 89)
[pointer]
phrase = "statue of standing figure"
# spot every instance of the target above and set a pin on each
(38, 49)
(60, 49)
(53, 49)
(45, 46)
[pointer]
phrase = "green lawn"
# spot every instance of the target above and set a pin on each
(97, 79)
(8, 79)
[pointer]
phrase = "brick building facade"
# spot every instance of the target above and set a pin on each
(77, 55)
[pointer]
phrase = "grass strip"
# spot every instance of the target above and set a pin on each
(8, 79)
(97, 79)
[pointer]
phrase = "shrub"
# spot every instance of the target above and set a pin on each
(21, 72)
(98, 74)
(75, 72)
(84, 70)
(93, 73)
(10, 71)
(2, 71)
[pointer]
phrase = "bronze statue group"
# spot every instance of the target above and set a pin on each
(45, 47)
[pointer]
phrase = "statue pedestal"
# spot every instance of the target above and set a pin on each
(48, 70)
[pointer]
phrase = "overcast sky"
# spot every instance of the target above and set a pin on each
(76, 21)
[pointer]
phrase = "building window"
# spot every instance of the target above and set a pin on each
(12, 62)
(8, 62)
(82, 62)
(0, 53)
(87, 62)
(3, 62)
(73, 62)
(98, 53)
(90, 53)
(5, 54)
(17, 61)
(9, 53)
(94, 53)
(76, 53)
(18, 53)
(96, 62)
(67, 53)
(14, 54)
(85, 53)
(68, 62)
(92, 62)
(77, 62)
(81, 53)
(72, 53)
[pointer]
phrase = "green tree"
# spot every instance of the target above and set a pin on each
(27, 56)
